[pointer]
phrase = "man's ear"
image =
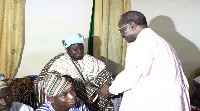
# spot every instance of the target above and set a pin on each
(50, 99)
(133, 25)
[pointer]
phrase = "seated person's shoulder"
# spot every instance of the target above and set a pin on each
(91, 58)
(45, 107)
(16, 106)
(54, 59)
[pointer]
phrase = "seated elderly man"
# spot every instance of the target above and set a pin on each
(6, 99)
(60, 94)
(88, 73)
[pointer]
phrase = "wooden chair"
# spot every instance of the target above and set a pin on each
(39, 95)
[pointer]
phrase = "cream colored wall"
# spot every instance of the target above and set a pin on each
(46, 22)
(178, 21)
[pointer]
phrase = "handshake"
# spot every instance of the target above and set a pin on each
(102, 92)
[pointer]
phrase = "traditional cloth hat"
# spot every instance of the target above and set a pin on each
(3, 83)
(53, 84)
(72, 39)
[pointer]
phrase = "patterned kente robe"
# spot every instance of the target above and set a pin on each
(88, 75)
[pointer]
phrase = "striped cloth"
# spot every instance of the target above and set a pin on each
(79, 106)
(53, 84)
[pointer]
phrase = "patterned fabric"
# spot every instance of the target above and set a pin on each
(19, 86)
(53, 84)
(72, 39)
(11, 36)
(88, 75)
(3, 83)
(79, 106)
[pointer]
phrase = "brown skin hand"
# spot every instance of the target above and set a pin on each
(104, 91)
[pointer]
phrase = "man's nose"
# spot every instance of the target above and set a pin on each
(79, 50)
(123, 36)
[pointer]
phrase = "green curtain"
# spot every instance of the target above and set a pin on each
(91, 32)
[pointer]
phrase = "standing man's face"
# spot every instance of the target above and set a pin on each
(126, 31)
(6, 99)
(76, 51)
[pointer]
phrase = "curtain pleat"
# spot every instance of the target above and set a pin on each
(108, 45)
(11, 31)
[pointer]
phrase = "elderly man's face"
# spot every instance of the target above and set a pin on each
(6, 99)
(64, 100)
(76, 51)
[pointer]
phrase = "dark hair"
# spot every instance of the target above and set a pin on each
(134, 16)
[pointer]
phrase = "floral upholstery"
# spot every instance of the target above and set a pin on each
(19, 86)
(23, 91)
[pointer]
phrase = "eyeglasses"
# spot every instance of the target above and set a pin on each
(123, 27)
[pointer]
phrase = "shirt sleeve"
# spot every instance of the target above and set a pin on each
(139, 59)
(26, 108)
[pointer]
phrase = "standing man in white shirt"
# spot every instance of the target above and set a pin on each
(153, 79)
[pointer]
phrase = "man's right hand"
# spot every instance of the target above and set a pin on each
(104, 91)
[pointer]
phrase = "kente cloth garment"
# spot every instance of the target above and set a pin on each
(88, 75)
(53, 84)
(16, 106)
(79, 106)
(153, 79)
